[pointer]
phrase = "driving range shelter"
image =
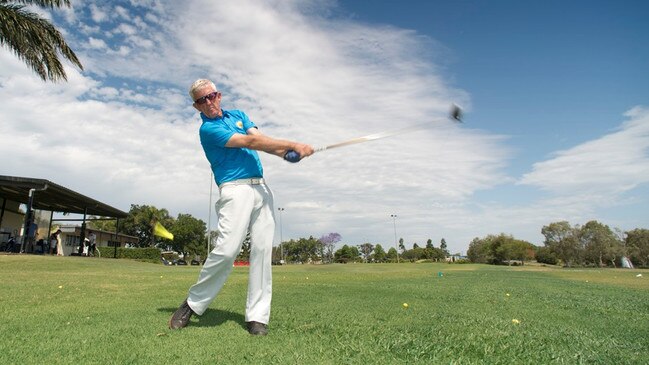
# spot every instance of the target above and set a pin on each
(45, 195)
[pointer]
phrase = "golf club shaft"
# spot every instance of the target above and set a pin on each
(455, 116)
(372, 137)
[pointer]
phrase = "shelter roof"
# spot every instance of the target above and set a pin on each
(54, 198)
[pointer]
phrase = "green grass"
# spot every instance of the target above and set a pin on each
(73, 310)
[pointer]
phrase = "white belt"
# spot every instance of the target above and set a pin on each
(251, 181)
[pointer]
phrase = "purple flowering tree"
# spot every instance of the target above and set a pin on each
(328, 242)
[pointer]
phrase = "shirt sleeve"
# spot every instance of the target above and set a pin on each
(214, 134)
(247, 123)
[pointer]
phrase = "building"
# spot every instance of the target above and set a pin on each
(105, 241)
(27, 214)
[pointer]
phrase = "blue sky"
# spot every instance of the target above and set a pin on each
(555, 96)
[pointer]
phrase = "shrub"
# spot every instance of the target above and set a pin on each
(149, 254)
(544, 255)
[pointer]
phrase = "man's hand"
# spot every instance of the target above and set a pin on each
(298, 152)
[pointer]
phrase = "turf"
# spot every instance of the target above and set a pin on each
(63, 310)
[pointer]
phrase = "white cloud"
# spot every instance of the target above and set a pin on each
(122, 12)
(612, 164)
(96, 43)
(97, 14)
(124, 132)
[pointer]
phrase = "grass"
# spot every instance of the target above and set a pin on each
(63, 310)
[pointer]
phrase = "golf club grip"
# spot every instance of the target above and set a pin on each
(292, 156)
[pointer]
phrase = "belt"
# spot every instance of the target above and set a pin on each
(251, 181)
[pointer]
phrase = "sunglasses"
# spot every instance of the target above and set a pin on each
(203, 99)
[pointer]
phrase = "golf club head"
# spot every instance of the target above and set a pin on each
(456, 113)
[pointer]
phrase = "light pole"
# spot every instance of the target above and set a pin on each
(394, 222)
(281, 238)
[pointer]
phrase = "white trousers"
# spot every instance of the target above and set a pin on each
(241, 208)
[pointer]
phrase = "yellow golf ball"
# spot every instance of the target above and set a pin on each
(405, 305)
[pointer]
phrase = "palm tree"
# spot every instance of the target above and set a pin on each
(34, 39)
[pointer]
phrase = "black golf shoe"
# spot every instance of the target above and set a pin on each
(257, 329)
(181, 316)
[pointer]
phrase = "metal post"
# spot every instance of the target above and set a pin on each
(2, 213)
(29, 217)
(116, 238)
(394, 222)
(209, 218)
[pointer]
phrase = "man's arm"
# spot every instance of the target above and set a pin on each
(255, 140)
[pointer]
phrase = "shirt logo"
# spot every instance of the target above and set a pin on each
(239, 124)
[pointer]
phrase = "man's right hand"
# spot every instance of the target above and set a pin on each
(298, 152)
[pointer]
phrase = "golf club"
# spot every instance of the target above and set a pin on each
(455, 115)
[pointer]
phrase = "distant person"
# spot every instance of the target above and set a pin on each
(32, 233)
(93, 243)
(59, 243)
(84, 246)
(11, 244)
(53, 243)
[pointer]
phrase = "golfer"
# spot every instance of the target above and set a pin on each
(231, 141)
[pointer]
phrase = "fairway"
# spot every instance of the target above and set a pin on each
(63, 310)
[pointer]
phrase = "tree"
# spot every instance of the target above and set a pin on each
(637, 243)
(499, 249)
(433, 253)
(244, 254)
(544, 255)
(366, 250)
(600, 244)
(139, 221)
(414, 254)
(379, 253)
(563, 241)
(512, 249)
(442, 246)
(105, 224)
(329, 243)
(392, 254)
(303, 250)
(347, 254)
(429, 244)
(479, 251)
(34, 39)
(189, 235)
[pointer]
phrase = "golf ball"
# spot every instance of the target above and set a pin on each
(405, 305)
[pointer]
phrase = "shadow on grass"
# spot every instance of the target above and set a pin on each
(212, 317)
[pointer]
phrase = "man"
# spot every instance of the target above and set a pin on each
(92, 237)
(231, 141)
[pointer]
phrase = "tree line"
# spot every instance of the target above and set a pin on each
(190, 233)
(322, 250)
(593, 244)
(190, 239)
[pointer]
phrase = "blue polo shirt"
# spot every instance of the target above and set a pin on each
(229, 163)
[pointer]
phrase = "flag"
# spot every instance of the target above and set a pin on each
(160, 231)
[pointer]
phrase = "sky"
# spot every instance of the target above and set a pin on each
(555, 97)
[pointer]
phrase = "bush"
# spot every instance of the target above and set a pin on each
(461, 261)
(149, 254)
(545, 256)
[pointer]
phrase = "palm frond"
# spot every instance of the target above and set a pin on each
(35, 40)
(42, 3)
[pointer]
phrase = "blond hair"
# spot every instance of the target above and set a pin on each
(199, 84)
